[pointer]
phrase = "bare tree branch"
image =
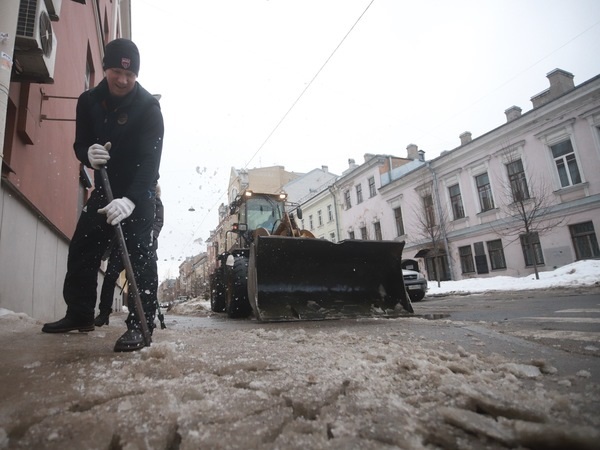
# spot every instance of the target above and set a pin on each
(432, 226)
(527, 203)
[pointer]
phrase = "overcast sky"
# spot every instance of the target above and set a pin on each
(255, 83)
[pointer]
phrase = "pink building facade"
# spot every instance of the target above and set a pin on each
(57, 48)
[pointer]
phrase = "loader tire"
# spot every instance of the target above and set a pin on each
(217, 291)
(416, 296)
(237, 304)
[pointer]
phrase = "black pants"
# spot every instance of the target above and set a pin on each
(114, 268)
(90, 241)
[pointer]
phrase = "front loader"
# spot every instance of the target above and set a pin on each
(282, 273)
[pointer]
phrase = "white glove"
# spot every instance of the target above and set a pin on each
(117, 210)
(98, 155)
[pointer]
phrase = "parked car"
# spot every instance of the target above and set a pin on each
(416, 284)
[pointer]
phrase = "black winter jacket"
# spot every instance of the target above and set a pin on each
(135, 129)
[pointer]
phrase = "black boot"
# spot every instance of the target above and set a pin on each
(102, 318)
(68, 324)
(132, 340)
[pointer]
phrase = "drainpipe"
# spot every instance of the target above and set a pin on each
(335, 212)
(441, 216)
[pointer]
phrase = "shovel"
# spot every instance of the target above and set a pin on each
(139, 311)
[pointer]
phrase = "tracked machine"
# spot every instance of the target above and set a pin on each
(273, 269)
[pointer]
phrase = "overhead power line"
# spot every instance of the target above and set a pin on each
(211, 209)
(309, 84)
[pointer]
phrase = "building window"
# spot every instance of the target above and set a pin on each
(332, 237)
(484, 190)
(428, 208)
(363, 233)
(466, 259)
(566, 164)
(347, 201)
(584, 240)
(377, 229)
(372, 190)
(320, 218)
(456, 200)
(359, 197)
(350, 234)
(496, 253)
(398, 220)
(530, 244)
(481, 264)
(329, 213)
(310, 222)
(518, 182)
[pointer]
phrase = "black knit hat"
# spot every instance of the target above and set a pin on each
(122, 54)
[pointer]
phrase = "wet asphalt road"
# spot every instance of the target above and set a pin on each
(560, 327)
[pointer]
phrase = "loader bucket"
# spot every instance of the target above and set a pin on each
(292, 278)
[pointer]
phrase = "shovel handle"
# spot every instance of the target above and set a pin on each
(139, 311)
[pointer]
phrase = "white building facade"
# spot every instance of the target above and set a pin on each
(545, 162)
(363, 214)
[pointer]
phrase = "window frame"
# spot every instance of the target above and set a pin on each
(531, 249)
(428, 208)
(372, 188)
(496, 255)
(484, 191)
(347, 199)
(399, 221)
(456, 203)
(359, 196)
(467, 262)
(364, 234)
(377, 231)
(517, 180)
(587, 237)
(568, 162)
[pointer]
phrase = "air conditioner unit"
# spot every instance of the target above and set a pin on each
(35, 43)
(53, 7)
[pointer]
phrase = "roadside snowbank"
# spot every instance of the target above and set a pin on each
(580, 273)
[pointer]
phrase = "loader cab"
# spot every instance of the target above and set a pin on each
(261, 210)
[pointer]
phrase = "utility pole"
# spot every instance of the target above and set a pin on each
(9, 12)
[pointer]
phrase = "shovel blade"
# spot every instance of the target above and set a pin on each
(292, 278)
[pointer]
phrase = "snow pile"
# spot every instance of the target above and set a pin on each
(15, 321)
(193, 307)
(580, 273)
